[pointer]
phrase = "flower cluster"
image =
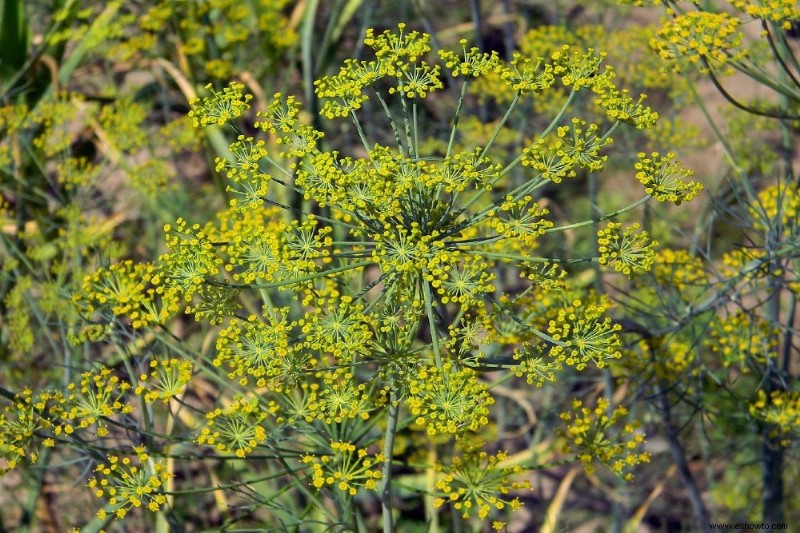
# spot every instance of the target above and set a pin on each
(525, 75)
(244, 161)
(780, 408)
(151, 178)
(23, 422)
(57, 115)
(125, 290)
(591, 435)
(479, 483)
(237, 429)
(99, 396)
(679, 269)
(582, 144)
(781, 12)
(777, 204)
(259, 349)
(671, 358)
(254, 240)
(75, 172)
(741, 339)
(280, 116)
(695, 36)
(397, 56)
(220, 107)
(167, 379)
(345, 91)
(191, 260)
(584, 334)
(664, 178)
(620, 106)
(214, 303)
(745, 263)
(460, 278)
(342, 398)
(122, 125)
(282, 119)
(20, 333)
(128, 484)
(449, 401)
(573, 147)
(472, 62)
(346, 468)
(547, 276)
(338, 327)
(630, 252)
(381, 290)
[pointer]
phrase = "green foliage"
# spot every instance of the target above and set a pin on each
(342, 329)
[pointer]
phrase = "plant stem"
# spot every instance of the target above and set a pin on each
(293, 281)
(613, 214)
(702, 518)
(500, 125)
(456, 118)
(431, 320)
(516, 161)
(388, 449)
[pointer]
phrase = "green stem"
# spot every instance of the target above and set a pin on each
(545, 133)
(290, 281)
(541, 334)
(392, 123)
(613, 214)
(788, 74)
(301, 486)
(456, 119)
(407, 126)
(517, 161)
(415, 126)
(360, 132)
(388, 450)
(538, 259)
(726, 148)
(431, 320)
(500, 126)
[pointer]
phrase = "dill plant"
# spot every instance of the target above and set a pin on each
(720, 327)
(367, 316)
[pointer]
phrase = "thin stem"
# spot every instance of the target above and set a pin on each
(538, 259)
(431, 513)
(292, 281)
(788, 334)
(701, 515)
(742, 106)
(517, 161)
(407, 125)
(766, 78)
(416, 128)
(388, 450)
(788, 50)
(500, 126)
(541, 334)
(331, 221)
(456, 118)
(475, 13)
(613, 214)
(546, 131)
(392, 123)
(724, 143)
(431, 320)
(776, 53)
(360, 131)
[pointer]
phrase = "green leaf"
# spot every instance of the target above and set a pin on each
(14, 37)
